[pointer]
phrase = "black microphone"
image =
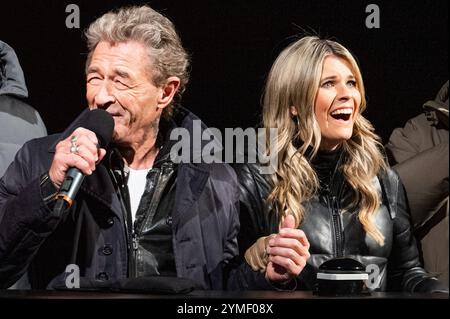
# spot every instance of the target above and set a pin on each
(102, 124)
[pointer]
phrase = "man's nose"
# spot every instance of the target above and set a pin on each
(104, 97)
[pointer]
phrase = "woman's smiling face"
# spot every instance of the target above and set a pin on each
(337, 102)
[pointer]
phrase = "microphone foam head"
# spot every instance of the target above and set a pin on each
(101, 123)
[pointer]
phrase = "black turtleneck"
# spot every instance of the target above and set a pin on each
(324, 164)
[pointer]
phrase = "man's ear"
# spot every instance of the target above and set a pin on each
(168, 91)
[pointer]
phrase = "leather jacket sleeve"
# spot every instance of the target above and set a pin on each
(256, 219)
(404, 269)
(252, 226)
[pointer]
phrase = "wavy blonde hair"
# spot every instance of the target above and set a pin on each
(294, 81)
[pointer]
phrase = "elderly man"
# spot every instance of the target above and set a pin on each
(137, 214)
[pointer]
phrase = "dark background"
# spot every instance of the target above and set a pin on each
(232, 46)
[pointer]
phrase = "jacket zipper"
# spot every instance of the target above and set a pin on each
(133, 253)
(334, 208)
(339, 251)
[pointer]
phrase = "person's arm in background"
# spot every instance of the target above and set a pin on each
(19, 122)
(425, 177)
(405, 271)
(419, 154)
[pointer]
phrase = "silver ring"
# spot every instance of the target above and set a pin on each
(74, 148)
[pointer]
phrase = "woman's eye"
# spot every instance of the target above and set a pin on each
(352, 83)
(327, 84)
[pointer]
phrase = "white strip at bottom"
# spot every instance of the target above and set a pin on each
(327, 276)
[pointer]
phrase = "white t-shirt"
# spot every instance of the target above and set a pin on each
(137, 179)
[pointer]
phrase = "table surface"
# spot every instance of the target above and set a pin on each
(200, 294)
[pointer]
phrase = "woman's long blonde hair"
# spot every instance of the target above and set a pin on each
(294, 81)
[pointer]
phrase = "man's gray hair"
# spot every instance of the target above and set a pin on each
(152, 29)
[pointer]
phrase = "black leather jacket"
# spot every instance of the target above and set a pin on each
(151, 251)
(334, 230)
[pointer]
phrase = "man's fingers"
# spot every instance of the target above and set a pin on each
(61, 164)
(73, 160)
(86, 142)
(81, 131)
(101, 152)
(88, 156)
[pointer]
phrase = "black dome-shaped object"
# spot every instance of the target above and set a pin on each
(341, 277)
(342, 264)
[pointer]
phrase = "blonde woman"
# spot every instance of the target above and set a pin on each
(332, 194)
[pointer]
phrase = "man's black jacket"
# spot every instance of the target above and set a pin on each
(93, 234)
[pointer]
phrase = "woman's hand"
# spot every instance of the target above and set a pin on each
(287, 252)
